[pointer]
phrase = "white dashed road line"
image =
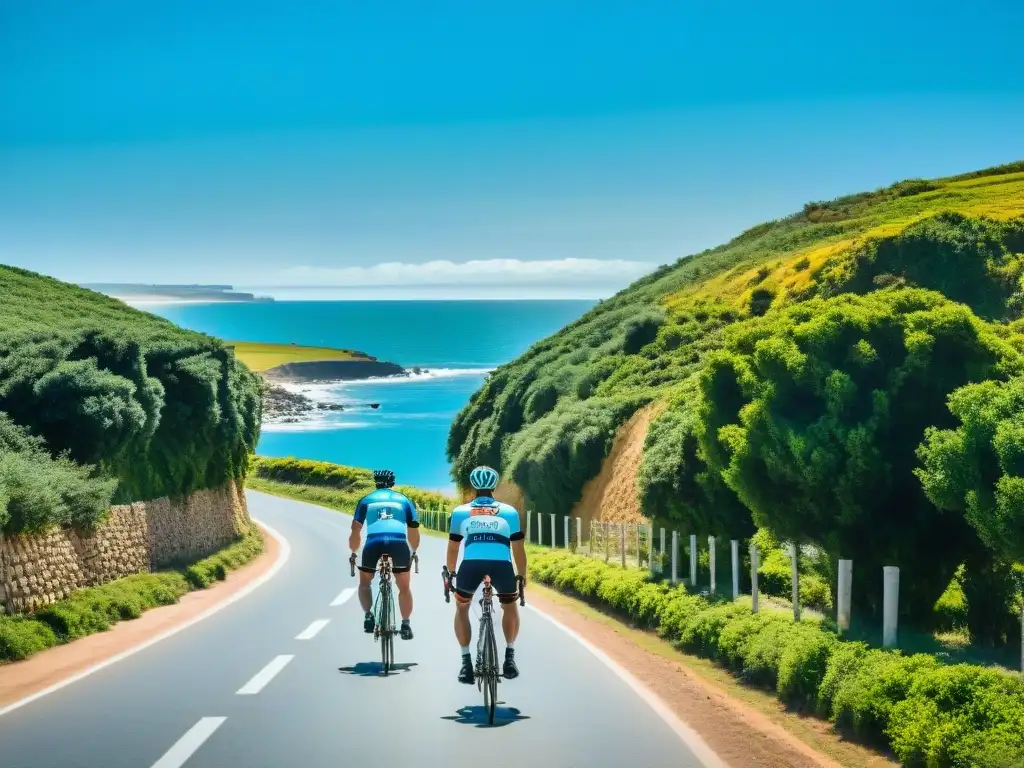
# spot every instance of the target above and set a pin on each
(264, 676)
(311, 631)
(186, 746)
(344, 595)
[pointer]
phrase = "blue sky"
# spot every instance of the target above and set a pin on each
(436, 149)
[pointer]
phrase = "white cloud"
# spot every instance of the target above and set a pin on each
(605, 276)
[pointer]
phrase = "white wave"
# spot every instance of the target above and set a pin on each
(313, 426)
(426, 374)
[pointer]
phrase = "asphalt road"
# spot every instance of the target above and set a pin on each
(285, 678)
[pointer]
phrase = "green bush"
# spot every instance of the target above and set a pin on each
(814, 414)
(330, 485)
(928, 714)
(106, 400)
(553, 457)
(21, 636)
(955, 715)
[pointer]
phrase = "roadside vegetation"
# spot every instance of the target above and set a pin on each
(848, 379)
(102, 403)
(96, 609)
(921, 710)
(262, 357)
(329, 485)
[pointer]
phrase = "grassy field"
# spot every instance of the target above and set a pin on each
(262, 357)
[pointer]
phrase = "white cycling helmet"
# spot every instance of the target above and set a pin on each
(484, 479)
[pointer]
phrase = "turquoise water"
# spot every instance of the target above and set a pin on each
(457, 341)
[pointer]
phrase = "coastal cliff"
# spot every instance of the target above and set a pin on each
(333, 370)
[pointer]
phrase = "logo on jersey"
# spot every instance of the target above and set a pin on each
(485, 525)
(385, 514)
(482, 510)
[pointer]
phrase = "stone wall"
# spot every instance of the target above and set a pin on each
(39, 569)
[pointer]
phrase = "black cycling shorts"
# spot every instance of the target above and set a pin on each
(397, 549)
(503, 578)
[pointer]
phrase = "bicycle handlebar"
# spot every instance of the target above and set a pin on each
(352, 564)
(522, 589)
(416, 562)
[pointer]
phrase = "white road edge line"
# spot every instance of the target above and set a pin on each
(264, 676)
(690, 737)
(284, 552)
(342, 597)
(187, 745)
(313, 629)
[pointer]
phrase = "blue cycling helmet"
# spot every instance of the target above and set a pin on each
(484, 479)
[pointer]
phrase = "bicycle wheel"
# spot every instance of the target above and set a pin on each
(490, 665)
(385, 626)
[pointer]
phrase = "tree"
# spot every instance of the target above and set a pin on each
(977, 469)
(813, 415)
(675, 482)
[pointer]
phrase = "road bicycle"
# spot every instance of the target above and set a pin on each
(384, 609)
(487, 670)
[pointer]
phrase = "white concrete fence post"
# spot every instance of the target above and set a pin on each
(552, 530)
(650, 547)
(844, 592)
(755, 558)
(622, 542)
(675, 557)
(890, 604)
(796, 581)
(565, 526)
(735, 568)
(638, 563)
(579, 532)
(693, 560)
(529, 514)
(661, 553)
(711, 561)
(607, 542)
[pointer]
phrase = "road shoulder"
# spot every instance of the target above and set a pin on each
(740, 734)
(21, 679)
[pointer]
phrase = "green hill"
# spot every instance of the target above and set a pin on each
(802, 373)
(99, 401)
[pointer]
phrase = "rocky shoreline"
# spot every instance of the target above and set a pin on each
(283, 406)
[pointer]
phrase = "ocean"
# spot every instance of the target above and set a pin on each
(459, 342)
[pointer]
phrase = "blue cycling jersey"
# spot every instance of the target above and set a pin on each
(487, 527)
(386, 515)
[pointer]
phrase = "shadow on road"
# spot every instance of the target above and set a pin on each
(477, 715)
(375, 669)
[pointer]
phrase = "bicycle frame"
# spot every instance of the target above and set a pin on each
(384, 607)
(486, 669)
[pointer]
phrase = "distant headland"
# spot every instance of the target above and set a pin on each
(144, 293)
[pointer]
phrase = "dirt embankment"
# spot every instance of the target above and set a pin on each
(612, 495)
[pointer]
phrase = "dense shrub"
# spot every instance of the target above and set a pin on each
(552, 458)
(813, 415)
(331, 485)
(674, 481)
(160, 410)
(37, 490)
(927, 713)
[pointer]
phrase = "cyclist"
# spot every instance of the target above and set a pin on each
(493, 537)
(391, 528)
